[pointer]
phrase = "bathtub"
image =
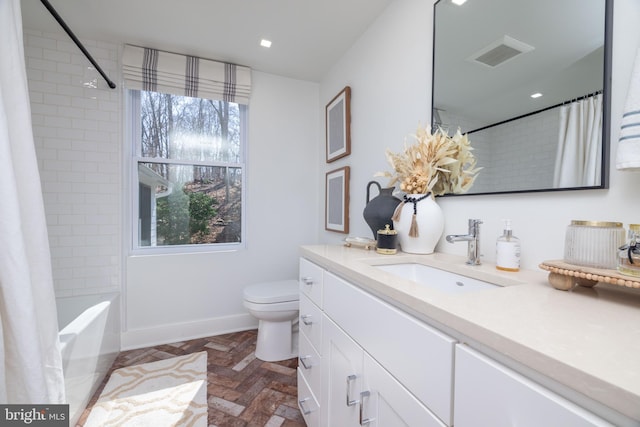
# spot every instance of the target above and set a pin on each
(89, 342)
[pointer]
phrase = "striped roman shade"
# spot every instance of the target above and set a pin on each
(154, 70)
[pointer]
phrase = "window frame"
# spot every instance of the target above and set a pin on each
(133, 154)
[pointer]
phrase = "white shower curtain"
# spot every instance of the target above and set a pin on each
(579, 155)
(30, 362)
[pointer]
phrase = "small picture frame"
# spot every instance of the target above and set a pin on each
(337, 200)
(338, 125)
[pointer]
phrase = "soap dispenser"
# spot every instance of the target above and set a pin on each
(508, 250)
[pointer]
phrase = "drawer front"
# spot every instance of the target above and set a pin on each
(311, 277)
(488, 393)
(310, 364)
(419, 356)
(307, 403)
(311, 322)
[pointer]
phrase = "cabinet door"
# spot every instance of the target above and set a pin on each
(488, 393)
(342, 377)
(417, 355)
(385, 402)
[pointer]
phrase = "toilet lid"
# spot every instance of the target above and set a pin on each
(272, 292)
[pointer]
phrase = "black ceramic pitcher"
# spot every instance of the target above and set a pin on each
(379, 210)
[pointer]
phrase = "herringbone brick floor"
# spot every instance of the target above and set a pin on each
(242, 391)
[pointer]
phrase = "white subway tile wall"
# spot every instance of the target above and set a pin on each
(522, 151)
(77, 131)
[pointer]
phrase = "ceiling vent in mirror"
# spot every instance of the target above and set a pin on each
(500, 51)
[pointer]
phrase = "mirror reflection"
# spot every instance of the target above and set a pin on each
(529, 81)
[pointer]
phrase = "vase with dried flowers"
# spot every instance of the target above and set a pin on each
(434, 165)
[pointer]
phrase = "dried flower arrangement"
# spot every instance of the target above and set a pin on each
(436, 163)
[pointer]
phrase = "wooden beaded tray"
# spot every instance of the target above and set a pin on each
(563, 276)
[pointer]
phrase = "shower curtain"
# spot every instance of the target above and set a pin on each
(578, 159)
(30, 362)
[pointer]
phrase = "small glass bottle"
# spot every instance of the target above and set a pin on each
(629, 255)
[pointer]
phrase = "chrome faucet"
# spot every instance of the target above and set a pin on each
(473, 241)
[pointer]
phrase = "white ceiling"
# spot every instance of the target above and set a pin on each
(308, 36)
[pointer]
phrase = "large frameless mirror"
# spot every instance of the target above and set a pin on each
(529, 81)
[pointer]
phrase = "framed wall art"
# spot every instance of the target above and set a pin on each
(338, 125)
(337, 200)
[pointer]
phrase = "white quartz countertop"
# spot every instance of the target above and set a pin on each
(587, 339)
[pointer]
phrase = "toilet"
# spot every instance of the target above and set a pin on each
(275, 305)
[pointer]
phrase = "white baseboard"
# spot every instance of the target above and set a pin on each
(167, 334)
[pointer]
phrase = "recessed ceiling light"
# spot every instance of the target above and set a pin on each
(536, 95)
(265, 43)
(458, 2)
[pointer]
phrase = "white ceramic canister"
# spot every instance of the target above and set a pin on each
(593, 243)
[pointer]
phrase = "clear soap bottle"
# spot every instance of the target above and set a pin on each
(508, 250)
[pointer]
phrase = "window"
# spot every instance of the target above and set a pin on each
(187, 170)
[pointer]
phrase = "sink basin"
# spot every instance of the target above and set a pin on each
(435, 278)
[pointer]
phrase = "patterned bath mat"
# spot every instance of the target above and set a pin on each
(171, 392)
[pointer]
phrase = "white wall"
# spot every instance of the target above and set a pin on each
(175, 297)
(389, 70)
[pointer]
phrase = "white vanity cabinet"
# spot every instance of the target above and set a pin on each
(365, 361)
(488, 393)
(310, 342)
(378, 365)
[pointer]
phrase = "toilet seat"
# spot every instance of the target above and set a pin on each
(272, 292)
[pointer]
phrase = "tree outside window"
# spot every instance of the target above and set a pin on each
(189, 154)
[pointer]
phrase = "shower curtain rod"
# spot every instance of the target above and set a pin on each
(64, 26)
(560, 104)
(580, 98)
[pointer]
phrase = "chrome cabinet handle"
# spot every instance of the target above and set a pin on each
(301, 402)
(303, 363)
(362, 419)
(306, 319)
(350, 402)
(307, 280)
